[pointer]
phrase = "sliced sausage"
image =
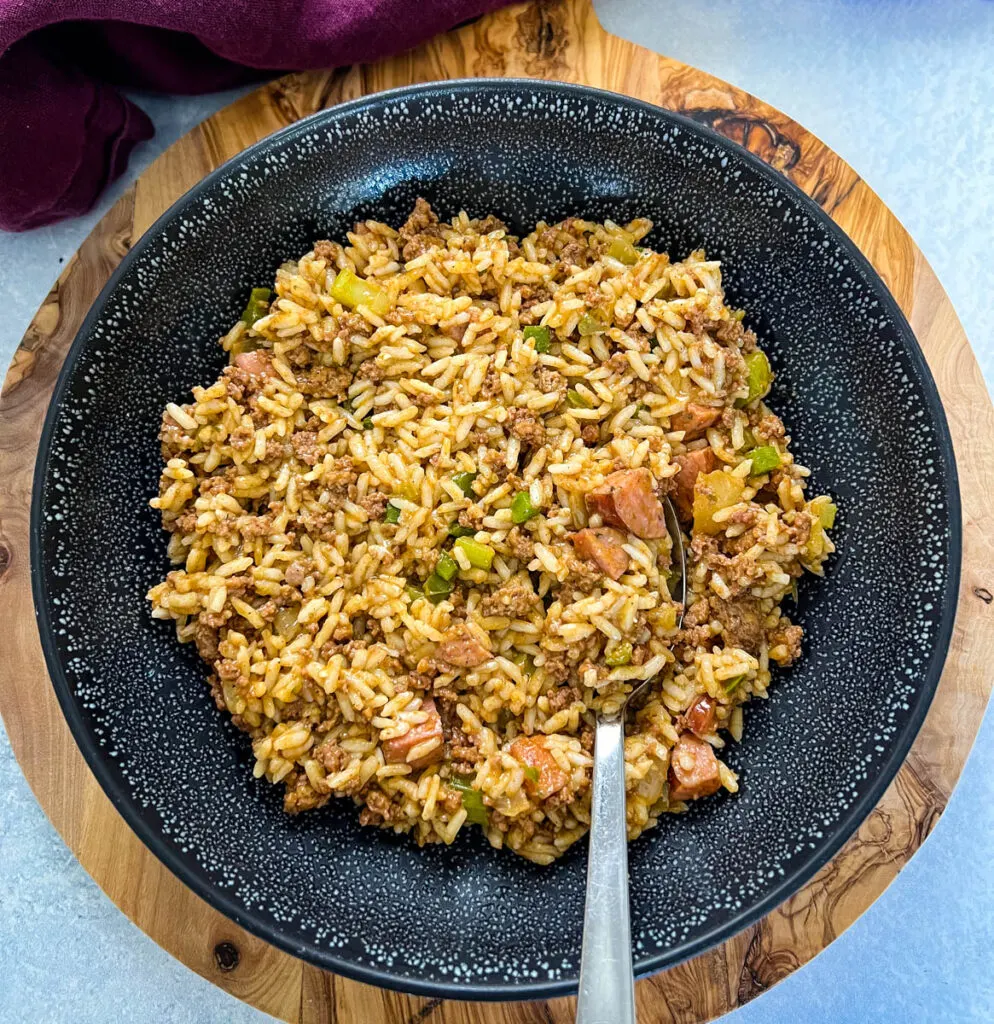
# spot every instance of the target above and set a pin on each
(531, 752)
(463, 647)
(693, 769)
(691, 466)
(628, 499)
(256, 362)
(398, 750)
(603, 546)
(699, 718)
(694, 420)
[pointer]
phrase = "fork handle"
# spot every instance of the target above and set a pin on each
(607, 985)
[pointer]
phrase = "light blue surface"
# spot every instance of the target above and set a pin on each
(903, 90)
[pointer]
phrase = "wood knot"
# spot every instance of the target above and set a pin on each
(754, 133)
(226, 956)
(542, 31)
(984, 594)
(5, 558)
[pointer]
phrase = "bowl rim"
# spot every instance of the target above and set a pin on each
(272, 932)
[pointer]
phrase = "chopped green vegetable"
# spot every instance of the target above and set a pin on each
(455, 530)
(793, 590)
(759, 376)
(826, 514)
(391, 514)
(620, 654)
(543, 339)
(472, 801)
(523, 660)
(531, 774)
(258, 306)
(640, 408)
(763, 459)
(436, 588)
(589, 324)
(481, 556)
(577, 401)
(522, 508)
(446, 566)
(367, 423)
(346, 405)
(413, 592)
(351, 290)
(623, 251)
(408, 491)
(464, 481)
(733, 683)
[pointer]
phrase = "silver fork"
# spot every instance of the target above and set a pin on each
(607, 982)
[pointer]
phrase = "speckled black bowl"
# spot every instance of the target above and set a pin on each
(468, 921)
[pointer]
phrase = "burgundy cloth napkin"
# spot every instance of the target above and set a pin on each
(66, 131)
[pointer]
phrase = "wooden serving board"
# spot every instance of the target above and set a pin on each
(560, 39)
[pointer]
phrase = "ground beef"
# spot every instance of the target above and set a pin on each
(331, 756)
(789, 636)
(325, 250)
(300, 795)
(305, 446)
(526, 426)
(375, 504)
(214, 485)
(325, 382)
(277, 450)
(370, 371)
(497, 464)
(206, 640)
(490, 223)
(380, 809)
(556, 668)
(574, 254)
(521, 544)
(513, 600)
(296, 572)
(738, 571)
(564, 697)
(471, 517)
(591, 434)
(420, 232)
(491, 383)
(424, 399)
(728, 332)
(550, 381)
(581, 574)
(741, 622)
(532, 295)
(770, 428)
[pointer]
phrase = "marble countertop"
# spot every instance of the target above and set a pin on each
(902, 89)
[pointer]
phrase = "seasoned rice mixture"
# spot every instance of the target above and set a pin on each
(419, 534)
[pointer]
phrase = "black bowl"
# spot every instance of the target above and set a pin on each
(467, 921)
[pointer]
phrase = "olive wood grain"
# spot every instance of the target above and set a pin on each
(554, 40)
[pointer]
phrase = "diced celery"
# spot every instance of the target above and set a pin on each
(759, 376)
(763, 459)
(391, 514)
(472, 801)
(589, 324)
(446, 566)
(522, 508)
(481, 556)
(620, 654)
(464, 481)
(257, 307)
(351, 290)
(577, 401)
(436, 588)
(543, 339)
(623, 251)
